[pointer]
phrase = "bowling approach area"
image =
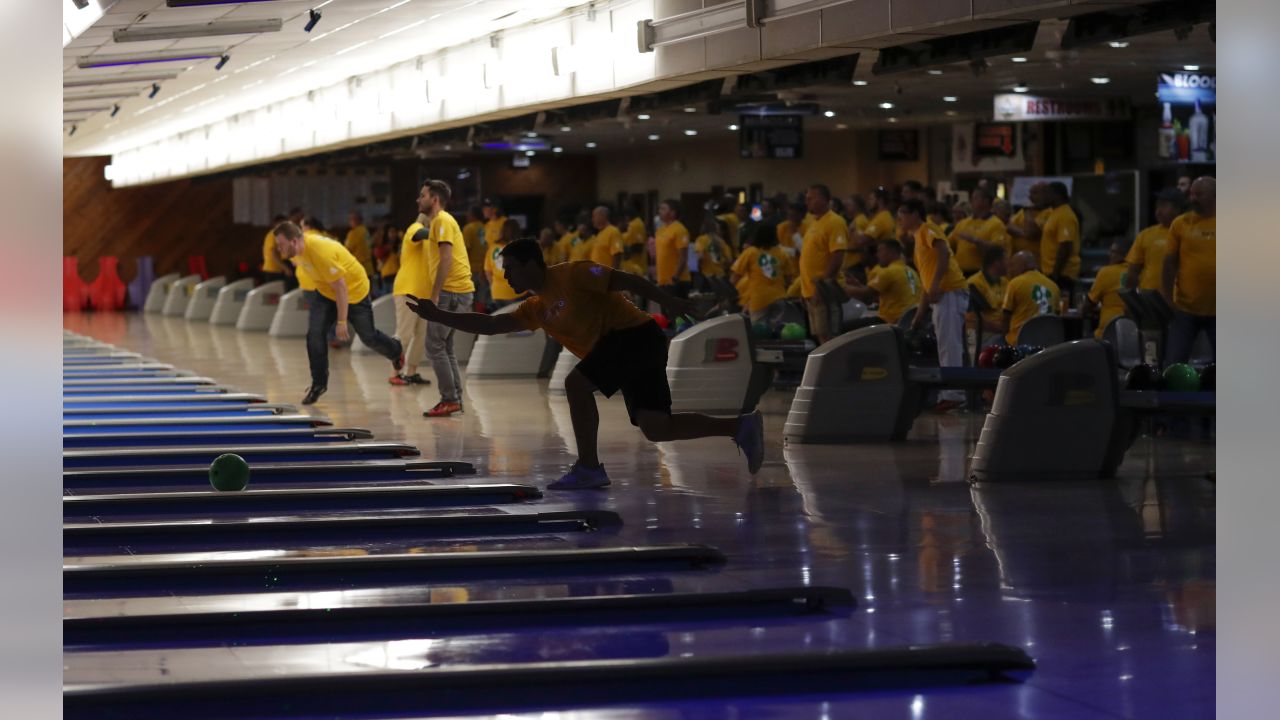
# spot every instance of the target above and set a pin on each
(379, 564)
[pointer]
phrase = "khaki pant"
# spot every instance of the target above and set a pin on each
(411, 331)
(819, 317)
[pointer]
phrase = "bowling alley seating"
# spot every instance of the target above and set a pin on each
(175, 302)
(292, 315)
(384, 318)
(1123, 335)
(861, 387)
(1063, 414)
(230, 301)
(158, 292)
(1042, 330)
(107, 291)
(75, 294)
(518, 354)
(203, 297)
(260, 306)
(143, 277)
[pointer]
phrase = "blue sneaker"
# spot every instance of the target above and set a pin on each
(750, 439)
(581, 478)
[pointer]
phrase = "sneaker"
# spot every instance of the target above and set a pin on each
(946, 406)
(443, 409)
(416, 379)
(581, 478)
(313, 393)
(398, 379)
(750, 439)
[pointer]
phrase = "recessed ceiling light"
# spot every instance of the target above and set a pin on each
(860, 83)
(733, 127)
(529, 153)
(642, 116)
(557, 149)
(886, 106)
(1017, 59)
(829, 113)
(1020, 88)
(934, 71)
(691, 109)
(1119, 44)
(591, 144)
(690, 132)
(1191, 68)
(565, 128)
(1100, 80)
(653, 137)
(948, 98)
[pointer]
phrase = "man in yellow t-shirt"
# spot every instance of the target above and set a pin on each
(821, 258)
(1030, 294)
(391, 262)
(881, 226)
(473, 236)
(583, 306)
(607, 248)
(671, 243)
(944, 291)
(729, 216)
(1106, 286)
(714, 254)
(499, 288)
(449, 279)
(762, 271)
(1146, 257)
(989, 286)
(494, 221)
(412, 281)
(1060, 239)
(791, 231)
(342, 288)
(1025, 226)
(272, 267)
(894, 285)
(357, 242)
(1190, 272)
(974, 234)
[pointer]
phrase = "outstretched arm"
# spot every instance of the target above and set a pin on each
(622, 281)
(474, 323)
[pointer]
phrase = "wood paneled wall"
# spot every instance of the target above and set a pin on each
(169, 221)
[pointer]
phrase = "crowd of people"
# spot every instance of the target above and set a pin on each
(911, 258)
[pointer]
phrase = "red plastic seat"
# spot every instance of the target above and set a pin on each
(75, 294)
(107, 291)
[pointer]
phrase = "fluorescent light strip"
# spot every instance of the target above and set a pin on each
(118, 80)
(101, 96)
(397, 31)
(201, 3)
(357, 46)
(165, 56)
(209, 29)
(202, 103)
(340, 28)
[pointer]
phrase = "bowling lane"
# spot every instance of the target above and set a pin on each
(159, 437)
(294, 473)
(253, 454)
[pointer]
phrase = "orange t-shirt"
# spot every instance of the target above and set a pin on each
(577, 308)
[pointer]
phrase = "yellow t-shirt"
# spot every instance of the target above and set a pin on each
(881, 226)
(786, 234)
(493, 232)
(1195, 239)
(712, 256)
(412, 277)
(305, 281)
(444, 229)
(926, 257)
(672, 241)
(860, 222)
(471, 236)
(607, 243)
(994, 295)
(1105, 284)
(1062, 227)
(1019, 244)
(899, 289)
(499, 288)
(764, 274)
(391, 265)
(326, 262)
(635, 234)
(357, 244)
(969, 255)
(1148, 250)
(1031, 294)
(577, 308)
(827, 235)
(270, 262)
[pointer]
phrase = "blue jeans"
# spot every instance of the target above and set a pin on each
(1183, 330)
(323, 318)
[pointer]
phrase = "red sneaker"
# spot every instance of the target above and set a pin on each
(398, 380)
(443, 409)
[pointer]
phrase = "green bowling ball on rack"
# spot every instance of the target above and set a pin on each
(1181, 377)
(793, 331)
(229, 473)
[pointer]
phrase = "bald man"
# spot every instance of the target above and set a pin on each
(608, 246)
(1030, 294)
(1190, 267)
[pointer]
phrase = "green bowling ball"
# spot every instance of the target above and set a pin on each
(684, 322)
(761, 330)
(229, 473)
(1181, 377)
(793, 331)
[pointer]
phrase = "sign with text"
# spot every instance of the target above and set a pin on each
(899, 145)
(1188, 117)
(1019, 107)
(995, 140)
(771, 137)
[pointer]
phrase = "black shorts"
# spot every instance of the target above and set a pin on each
(634, 361)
